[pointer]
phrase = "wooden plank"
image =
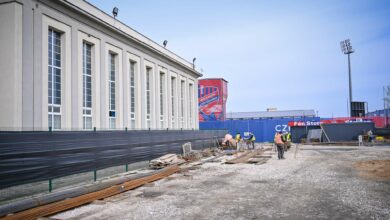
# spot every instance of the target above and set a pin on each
(263, 156)
(233, 161)
(66, 204)
(244, 158)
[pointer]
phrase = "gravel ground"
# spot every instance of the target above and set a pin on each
(320, 183)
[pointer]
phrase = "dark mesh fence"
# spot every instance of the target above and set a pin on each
(27, 157)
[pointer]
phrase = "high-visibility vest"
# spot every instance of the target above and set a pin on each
(238, 137)
(278, 139)
(289, 136)
(253, 138)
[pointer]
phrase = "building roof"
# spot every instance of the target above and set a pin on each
(271, 114)
(99, 15)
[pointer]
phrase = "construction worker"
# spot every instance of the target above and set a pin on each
(288, 140)
(280, 145)
(251, 140)
(228, 141)
(238, 139)
(289, 136)
(284, 139)
(370, 135)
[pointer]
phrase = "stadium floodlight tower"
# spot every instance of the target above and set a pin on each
(346, 48)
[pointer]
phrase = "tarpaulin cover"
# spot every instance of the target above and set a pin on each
(27, 157)
(347, 131)
(335, 132)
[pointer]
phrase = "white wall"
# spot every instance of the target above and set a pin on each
(23, 85)
(10, 66)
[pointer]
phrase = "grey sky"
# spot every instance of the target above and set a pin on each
(282, 54)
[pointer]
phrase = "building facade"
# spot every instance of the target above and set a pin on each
(66, 65)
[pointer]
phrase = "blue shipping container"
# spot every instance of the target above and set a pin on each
(263, 129)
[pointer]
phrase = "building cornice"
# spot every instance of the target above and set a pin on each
(100, 16)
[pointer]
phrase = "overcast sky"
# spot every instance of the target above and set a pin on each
(283, 54)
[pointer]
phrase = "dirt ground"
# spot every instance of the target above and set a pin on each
(320, 183)
(374, 169)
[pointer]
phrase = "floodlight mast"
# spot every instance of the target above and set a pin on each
(346, 48)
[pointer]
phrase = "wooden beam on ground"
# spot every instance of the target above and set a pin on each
(245, 157)
(66, 204)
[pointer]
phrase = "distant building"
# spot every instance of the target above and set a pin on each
(67, 65)
(212, 97)
(382, 113)
(381, 117)
(272, 114)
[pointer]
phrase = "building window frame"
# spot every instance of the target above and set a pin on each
(87, 85)
(83, 37)
(162, 76)
(148, 95)
(132, 92)
(112, 93)
(191, 104)
(41, 109)
(182, 108)
(55, 60)
(173, 101)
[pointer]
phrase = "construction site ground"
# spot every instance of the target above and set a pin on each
(318, 182)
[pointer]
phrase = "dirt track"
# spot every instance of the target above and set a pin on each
(374, 169)
(320, 183)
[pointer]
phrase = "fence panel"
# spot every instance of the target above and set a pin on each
(27, 157)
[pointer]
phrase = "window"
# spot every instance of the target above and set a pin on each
(87, 86)
(132, 94)
(182, 103)
(148, 101)
(191, 103)
(162, 89)
(173, 86)
(54, 79)
(111, 81)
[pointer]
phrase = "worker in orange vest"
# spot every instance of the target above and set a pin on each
(280, 145)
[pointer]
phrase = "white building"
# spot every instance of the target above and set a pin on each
(67, 65)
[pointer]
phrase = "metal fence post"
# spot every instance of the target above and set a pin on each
(94, 175)
(50, 185)
(127, 167)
